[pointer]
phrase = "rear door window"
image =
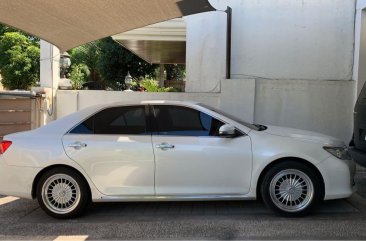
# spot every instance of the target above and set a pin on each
(115, 121)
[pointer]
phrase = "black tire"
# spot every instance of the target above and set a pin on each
(302, 202)
(78, 191)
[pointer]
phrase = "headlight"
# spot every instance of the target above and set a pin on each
(339, 152)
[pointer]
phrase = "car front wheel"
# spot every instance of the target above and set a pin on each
(291, 189)
(62, 193)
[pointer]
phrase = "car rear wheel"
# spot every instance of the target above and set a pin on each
(291, 189)
(63, 193)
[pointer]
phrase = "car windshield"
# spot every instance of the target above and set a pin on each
(234, 118)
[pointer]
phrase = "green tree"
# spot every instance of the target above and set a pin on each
(175, 71)
(88, 55)
(115, 61)
(5, 29)
(19, 62)
(108, 63)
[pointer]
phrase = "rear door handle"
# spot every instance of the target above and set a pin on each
(165, 146)
(77, 145)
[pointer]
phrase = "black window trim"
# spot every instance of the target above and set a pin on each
(147, 119)
(154, 129)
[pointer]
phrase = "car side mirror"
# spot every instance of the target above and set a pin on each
(227, 131)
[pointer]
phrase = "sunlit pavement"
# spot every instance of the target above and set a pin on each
(342, 219)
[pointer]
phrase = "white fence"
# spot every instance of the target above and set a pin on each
(320, 106)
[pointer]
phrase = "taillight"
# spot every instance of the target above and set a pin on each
(4, 145)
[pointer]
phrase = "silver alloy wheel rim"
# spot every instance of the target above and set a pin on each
(291, 190)
(61, 193)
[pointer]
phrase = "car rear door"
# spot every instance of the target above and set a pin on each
(114, 148)
(192, 159)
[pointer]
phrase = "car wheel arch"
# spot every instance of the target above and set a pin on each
(46, 169)
(286, 159)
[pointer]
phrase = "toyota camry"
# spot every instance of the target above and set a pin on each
(171, 151)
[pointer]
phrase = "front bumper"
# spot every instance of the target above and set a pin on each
(338, 177)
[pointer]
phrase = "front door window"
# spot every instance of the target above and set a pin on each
(183, 121)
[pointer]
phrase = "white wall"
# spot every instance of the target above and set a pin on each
(237, 98)
(320, 106)
(293, 39)
(290, 39)
(206, 51)
(301, 55)
(361, 4)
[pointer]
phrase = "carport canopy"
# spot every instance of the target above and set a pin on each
(160, 43)
(70, 23)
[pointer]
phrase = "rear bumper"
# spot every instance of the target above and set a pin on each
(16, 181)
(358, 155)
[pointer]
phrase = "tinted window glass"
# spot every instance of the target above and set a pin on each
(87, 127)
(116, 120)
(251, 126)
(183, 121)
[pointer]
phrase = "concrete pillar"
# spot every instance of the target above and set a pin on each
(49, 79)
(50, 70)
(206, 51)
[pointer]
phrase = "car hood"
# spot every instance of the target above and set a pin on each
(304, 135)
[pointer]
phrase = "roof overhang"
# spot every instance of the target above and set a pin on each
(70, 23)
(161, 43)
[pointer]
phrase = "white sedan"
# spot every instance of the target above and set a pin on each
(169, 151)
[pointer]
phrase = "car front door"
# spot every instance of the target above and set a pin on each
(114, 148)
(192, 159)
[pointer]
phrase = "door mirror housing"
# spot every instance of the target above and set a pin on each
(227, 130)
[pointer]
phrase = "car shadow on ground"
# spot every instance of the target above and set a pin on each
(119, 212)
(23, 219)
(29, 211)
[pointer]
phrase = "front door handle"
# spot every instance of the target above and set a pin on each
(78, 145)
(165, 146)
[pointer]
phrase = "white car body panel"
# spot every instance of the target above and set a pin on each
(303, 135)
(203, 165)
(177, 176)
(17, 181)
(269, 148)
(117, 164)
(27, 157)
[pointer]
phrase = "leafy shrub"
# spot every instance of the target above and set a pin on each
(152, 85)
(79, 75)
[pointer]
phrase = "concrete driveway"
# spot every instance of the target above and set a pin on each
(342, 219)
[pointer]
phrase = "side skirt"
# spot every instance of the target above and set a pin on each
(172, 198)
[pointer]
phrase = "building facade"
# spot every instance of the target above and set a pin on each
(299, 53)
(294, 63)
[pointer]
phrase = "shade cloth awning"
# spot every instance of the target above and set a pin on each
(70, 23)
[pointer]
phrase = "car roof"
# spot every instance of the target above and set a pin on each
(64, 124)
(147, 102)
(142, 102)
